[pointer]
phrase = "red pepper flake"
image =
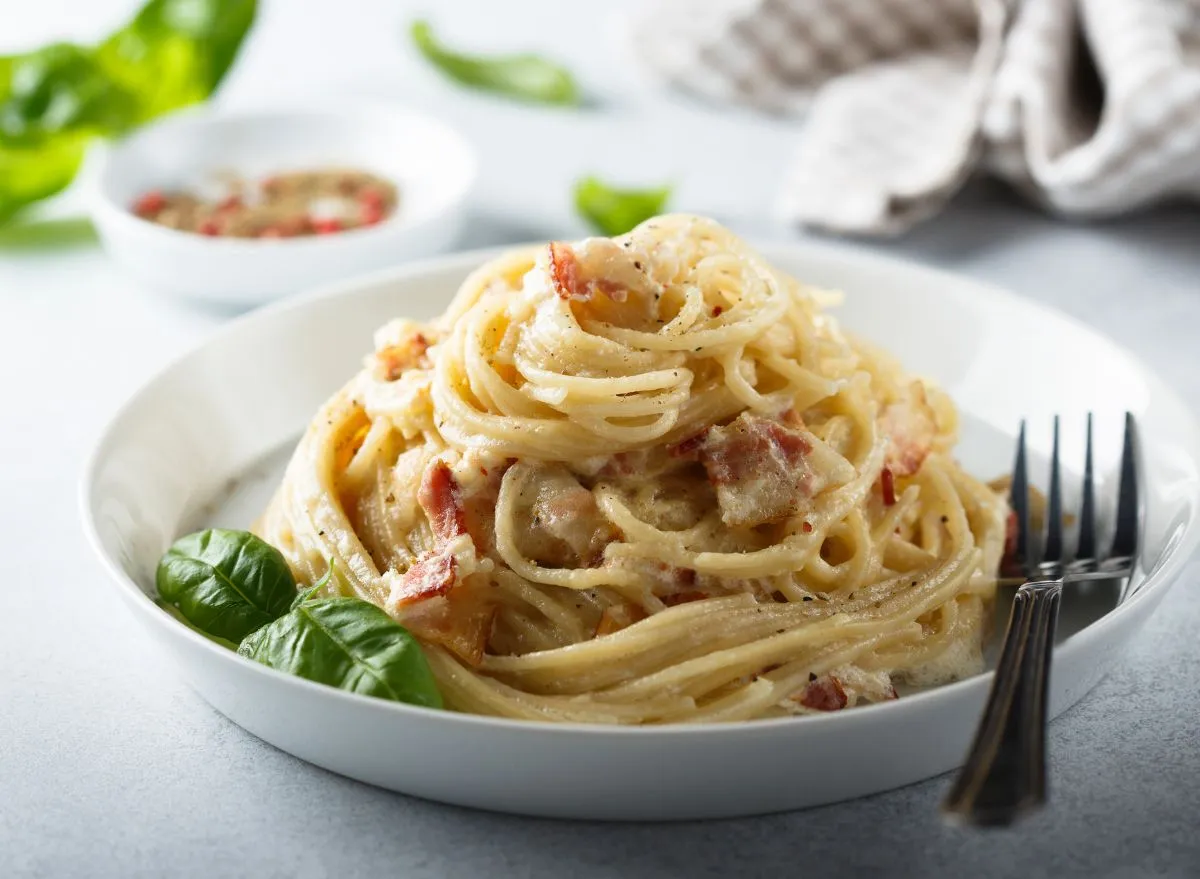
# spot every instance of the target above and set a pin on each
(806, 527)
(209, 227)
(887, 482)
(371, 197)
(150, 204)
(371, 214)
(327, 227)
(716, 312)
(824, 694)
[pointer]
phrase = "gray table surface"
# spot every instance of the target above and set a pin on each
(110, 766)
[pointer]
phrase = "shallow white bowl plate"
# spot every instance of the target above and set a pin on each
(432, 166)
(168, 459)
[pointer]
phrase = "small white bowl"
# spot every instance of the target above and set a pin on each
(432, 166)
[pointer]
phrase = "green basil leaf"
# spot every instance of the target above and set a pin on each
(226, 583)
(52, 103)
(56, 100)
(60, 88)
(176, 52)
(28, 175)
(525, 77)
(183, 621)
(350, 644)
(612, 211)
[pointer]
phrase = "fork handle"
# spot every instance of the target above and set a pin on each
(1005, 773)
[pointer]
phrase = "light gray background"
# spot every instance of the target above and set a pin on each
(109, 766)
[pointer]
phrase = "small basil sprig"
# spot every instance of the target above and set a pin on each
(525, 77)
(613, 211)
(226, 583)
(349, 644)
(235, 587)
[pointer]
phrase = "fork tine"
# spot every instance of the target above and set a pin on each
(1125, 538)
(1087, 509)
(1019, 502)
(1053, 548)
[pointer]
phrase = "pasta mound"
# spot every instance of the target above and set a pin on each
(645, 480)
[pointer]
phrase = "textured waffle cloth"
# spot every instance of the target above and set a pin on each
(1090, 106)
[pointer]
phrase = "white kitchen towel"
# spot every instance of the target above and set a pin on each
(1090, 106)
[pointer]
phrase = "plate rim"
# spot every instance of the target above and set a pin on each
(1157, 582)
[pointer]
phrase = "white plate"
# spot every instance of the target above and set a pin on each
(432, 166)
(178, 453)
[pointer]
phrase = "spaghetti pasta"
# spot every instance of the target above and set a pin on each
(647, 480)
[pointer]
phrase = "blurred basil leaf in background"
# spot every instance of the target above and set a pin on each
(525, 77)
(613, 211)
(54, 101)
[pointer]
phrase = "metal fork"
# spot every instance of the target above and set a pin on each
(1004, 776)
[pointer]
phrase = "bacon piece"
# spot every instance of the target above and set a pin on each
(566, 513)
(673, 585)
(436, 600)
(571, 280)
(460, 621)
(564, 272)
(911, 425)
(760, 470)
(478, 502)
(680, 580)
(824, 694)
(682, 576)
(688, 447)
(599, 265)
(736, 451)
(409, 352)
(431, 575)
(439, 498)
(887, 485)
